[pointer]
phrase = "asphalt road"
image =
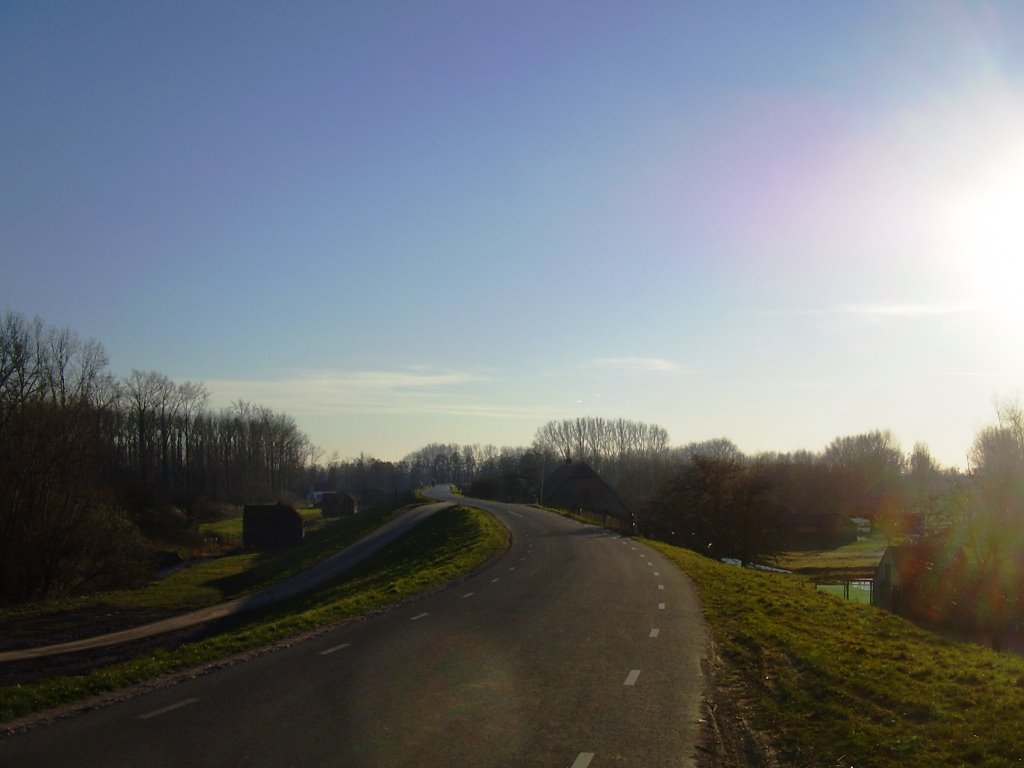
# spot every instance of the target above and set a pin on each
(577, 648)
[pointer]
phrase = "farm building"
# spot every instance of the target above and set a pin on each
(337, 504)
(271, 526)
(575, 487)
(923, 580)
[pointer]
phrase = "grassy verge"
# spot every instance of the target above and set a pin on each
(838, 684)
(448, 545)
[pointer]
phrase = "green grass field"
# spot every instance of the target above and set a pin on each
(835, 683)
(448, 545)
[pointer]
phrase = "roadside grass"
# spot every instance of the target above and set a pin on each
(449, 545)
(832, 683)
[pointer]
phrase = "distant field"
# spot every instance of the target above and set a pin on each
(863, 554)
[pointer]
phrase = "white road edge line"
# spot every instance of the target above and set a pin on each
(632, 676)
(582, 760)
(165, 710)
(335, 648)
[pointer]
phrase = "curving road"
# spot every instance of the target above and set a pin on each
(576, 648)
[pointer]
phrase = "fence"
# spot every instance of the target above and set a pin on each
(856, 590)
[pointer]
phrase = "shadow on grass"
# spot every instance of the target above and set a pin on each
(272, 566)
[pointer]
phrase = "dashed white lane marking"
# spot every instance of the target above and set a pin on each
(496, 578)
(661, 606)
(661, 586)
(419, 616)
(582, 760)
(468, 594)
(657, 574)
(329, 651)
(165, 710)
(655, 632)
(632, 676)
(512, 568)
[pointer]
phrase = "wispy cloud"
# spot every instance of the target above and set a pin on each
(906, 310)
(887, 310)
(345, 391)
(404, 392)
(633, 365)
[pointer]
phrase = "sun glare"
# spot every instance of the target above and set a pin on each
(988, 236)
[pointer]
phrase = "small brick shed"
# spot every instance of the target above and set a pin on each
(337, 504)
(271, 526)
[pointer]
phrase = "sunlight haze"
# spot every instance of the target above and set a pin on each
(406, 223)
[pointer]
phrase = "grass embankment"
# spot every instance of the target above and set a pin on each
(838, 684)
(446, 546)
(196, 586)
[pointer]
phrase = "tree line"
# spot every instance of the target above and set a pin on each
(95, 470)
(89, 463)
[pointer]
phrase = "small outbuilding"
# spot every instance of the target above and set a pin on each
(924, 581)
(337, 504)
(271, 526)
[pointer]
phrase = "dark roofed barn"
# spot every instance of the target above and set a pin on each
(575, 487)
(271, 526)
(925, 581)
(337, 504)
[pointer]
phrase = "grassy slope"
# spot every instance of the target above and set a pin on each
(448, 545)
(213, 581)
(834, 683)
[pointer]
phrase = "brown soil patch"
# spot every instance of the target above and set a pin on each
(728, 740)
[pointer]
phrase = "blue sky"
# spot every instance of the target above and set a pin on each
(408, 222)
